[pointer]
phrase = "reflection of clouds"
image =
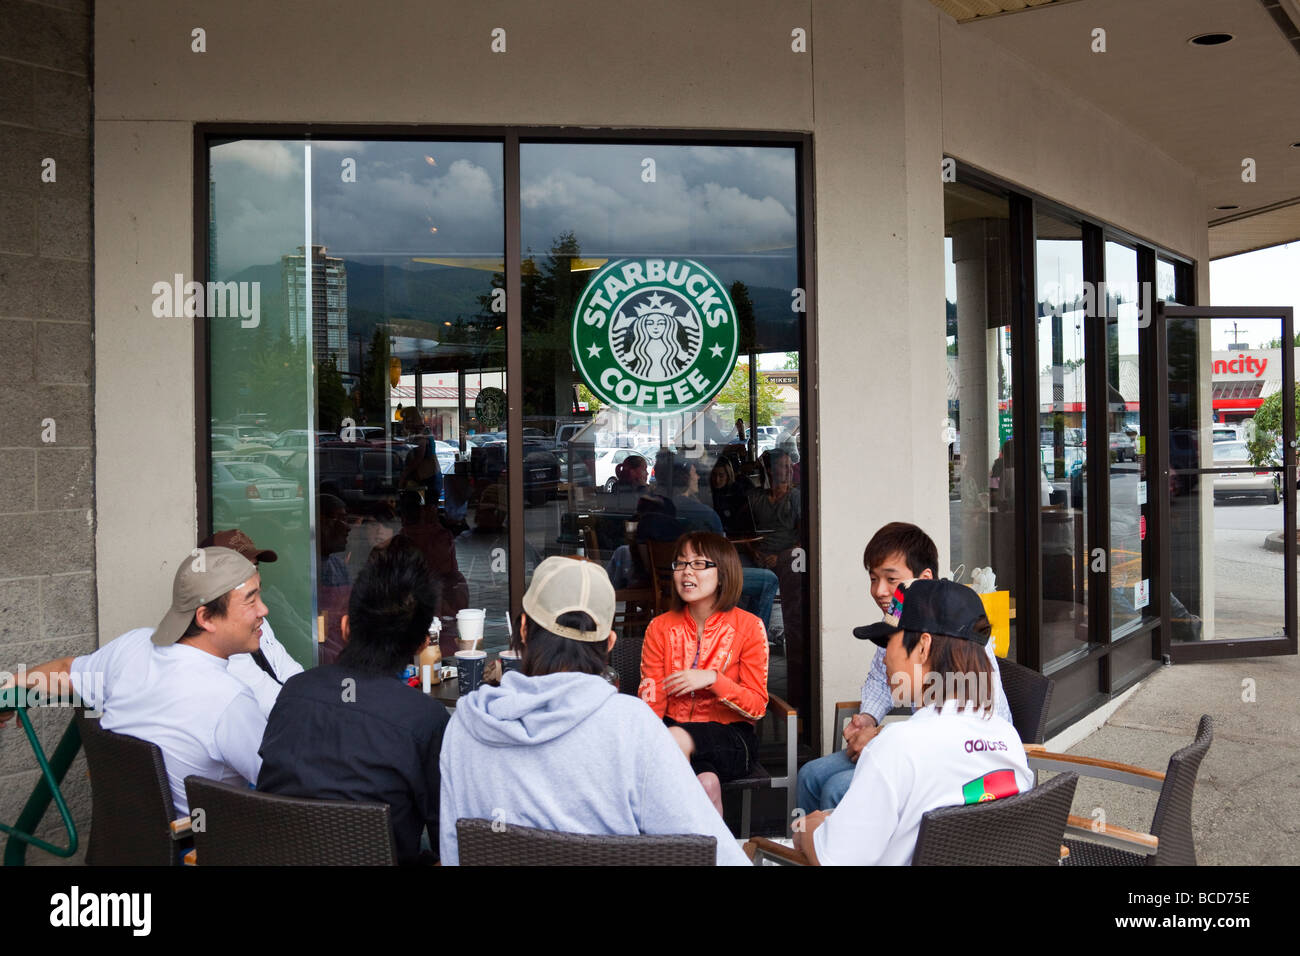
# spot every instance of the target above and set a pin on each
(706, 198)
(266, 157)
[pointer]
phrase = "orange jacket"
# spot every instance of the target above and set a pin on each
(735, 646)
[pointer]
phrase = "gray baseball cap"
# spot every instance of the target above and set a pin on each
(561, 585)
(200, 578)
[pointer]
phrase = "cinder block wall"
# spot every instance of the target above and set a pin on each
(47, 505)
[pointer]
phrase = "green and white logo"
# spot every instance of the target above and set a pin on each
(655, 336)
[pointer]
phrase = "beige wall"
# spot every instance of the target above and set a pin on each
(881, 112)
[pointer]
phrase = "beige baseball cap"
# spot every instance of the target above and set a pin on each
(201, 578)
(561, 585)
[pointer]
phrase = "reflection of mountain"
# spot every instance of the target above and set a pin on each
(438, 294)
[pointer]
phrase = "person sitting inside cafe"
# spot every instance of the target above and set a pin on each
(954, 750)
(354, 730)
(556, 747)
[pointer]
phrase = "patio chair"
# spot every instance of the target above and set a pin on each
(1170, 841)
(1022, 830)
(133, 821)
(241, 827)
(1029, 696)
(482, 844)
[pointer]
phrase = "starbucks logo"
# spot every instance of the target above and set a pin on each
(655, 336)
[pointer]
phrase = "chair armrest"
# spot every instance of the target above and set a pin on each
(1093, 767)
(1109, 834)
(782, 708)
(845, 704)
(759, 848)
(181, 828)
(192, 858)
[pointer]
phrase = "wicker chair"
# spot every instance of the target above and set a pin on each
(1029, 696)
(241, 827)
(1022, 830)
(480, 845)
(133, 819)
(1170, 841)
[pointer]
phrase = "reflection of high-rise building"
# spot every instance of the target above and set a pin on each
(329, 304)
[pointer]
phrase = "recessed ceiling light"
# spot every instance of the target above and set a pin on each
(1226, 208)
(1210, 39)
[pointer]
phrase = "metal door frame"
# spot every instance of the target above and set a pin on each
(1188, 651)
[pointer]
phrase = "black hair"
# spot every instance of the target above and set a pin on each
(958, 669)
(916, 547)
(547, 653)
(217, 607)
(392, 603)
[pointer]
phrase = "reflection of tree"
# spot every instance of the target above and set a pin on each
(744, 306)
(550, 290)
(332, 404)
(373, 391)
(791, 360)
(736, 392)
(1268, 425)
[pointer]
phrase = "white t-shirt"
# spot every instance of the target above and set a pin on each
(263, 687)
(182, 699)
(933, 759)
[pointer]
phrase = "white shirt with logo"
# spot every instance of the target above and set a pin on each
(933, 759)
(203, 719)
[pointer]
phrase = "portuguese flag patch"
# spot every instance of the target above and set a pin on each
(991, 786)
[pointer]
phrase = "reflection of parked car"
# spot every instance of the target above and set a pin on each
(246, 489)
(607, 461)
(363, 477)
(1122, 447)
(541, 469)
(1249, 480)
(225, 448)
(1227, 433)
(575, 477)
(297, 438)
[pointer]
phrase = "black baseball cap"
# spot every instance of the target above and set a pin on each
(934, 607)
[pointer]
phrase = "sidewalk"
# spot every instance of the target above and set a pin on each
(1247, 805)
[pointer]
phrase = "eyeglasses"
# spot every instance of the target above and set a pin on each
(699, 564)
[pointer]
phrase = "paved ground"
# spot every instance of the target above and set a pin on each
(1247, 804)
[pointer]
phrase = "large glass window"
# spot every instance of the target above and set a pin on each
(979, 431)
(1062, 426)
(1126, 450)
(369, 399)
(661, 362)
(358, 407)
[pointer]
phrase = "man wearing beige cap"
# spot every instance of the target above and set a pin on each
(556, 747)
(175, 689)
(266, 669)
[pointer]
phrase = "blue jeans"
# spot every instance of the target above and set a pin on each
(757, 592)
(824, 781)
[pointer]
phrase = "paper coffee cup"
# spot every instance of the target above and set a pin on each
(469, 623)
(469, 670)
(510, 661)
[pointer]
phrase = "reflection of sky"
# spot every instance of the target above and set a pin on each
(1265, 277)
(712, 203)
(397, 199)
(732, 203)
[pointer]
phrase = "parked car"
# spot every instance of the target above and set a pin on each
(1227, 433)
(1248, 480)
(363, 477)
(246, 489)
(297, 438)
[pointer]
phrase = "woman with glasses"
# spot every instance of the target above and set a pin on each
(704, 663)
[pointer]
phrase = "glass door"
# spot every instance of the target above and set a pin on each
(1227, 475)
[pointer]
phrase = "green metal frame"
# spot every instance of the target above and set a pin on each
(21, 834)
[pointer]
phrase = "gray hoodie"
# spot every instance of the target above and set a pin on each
(568, 752)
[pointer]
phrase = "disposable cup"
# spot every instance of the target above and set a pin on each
(469, 670)
(469, 624)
